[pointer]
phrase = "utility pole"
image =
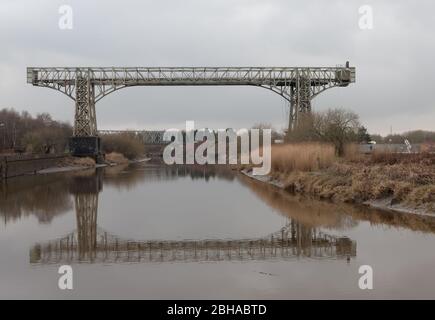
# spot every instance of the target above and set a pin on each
(3, 126)
(14, 135)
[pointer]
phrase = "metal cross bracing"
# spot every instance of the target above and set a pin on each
(88, 85)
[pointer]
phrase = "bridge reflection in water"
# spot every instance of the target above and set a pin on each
(292, 241)
(90, 244)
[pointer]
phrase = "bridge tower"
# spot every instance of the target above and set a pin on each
(85, 122)
(85, 140)
(300, 98)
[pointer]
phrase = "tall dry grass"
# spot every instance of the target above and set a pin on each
(352, 152)
(310, 156)
(116, 157)
(76, 161)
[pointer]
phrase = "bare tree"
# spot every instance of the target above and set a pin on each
(275, 134)
(40, 134)
(337, 126)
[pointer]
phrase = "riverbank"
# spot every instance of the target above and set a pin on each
(75, 164)
(303, 184)
(14, 165)
(399, 182)
(33, 164)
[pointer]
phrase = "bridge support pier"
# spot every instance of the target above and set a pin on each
(85, 147)
(85, 140)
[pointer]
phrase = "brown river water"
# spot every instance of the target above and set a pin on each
(162, 232)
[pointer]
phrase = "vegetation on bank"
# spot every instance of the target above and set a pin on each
(127, 144)
(21, 132)
(406, 179)
(304, 156)
(41, 134)
(337, 127)
(322, 159)
(78, 162)
(115, 157)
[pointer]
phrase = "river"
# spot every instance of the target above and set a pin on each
(162, 232)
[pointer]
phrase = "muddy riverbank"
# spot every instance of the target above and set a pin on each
(320, 186)
(28, 164)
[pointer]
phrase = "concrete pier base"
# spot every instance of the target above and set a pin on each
(86, 147)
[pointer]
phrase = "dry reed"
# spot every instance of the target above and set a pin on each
(116, 157)
(302, 157)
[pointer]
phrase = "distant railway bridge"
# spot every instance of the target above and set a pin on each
(154, 137)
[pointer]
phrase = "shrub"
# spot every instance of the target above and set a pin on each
(129, 145)
(116, 158)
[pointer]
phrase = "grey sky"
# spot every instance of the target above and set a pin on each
(395, 73)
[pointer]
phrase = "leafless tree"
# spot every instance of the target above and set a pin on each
(336, 126)
(40, 134)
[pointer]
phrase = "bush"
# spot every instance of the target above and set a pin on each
(116, 158)
(50, 139)
(129, 145)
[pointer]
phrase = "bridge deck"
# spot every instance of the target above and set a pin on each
(277, 76)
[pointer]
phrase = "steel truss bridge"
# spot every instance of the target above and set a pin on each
(88, 85)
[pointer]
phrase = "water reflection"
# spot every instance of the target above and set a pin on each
(43, 198)
(328, 215)
(310, 230)
(47, 196)
(96, 245)
(121, 177)
(92, 244)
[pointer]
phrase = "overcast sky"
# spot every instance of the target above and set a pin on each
(395, 77)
